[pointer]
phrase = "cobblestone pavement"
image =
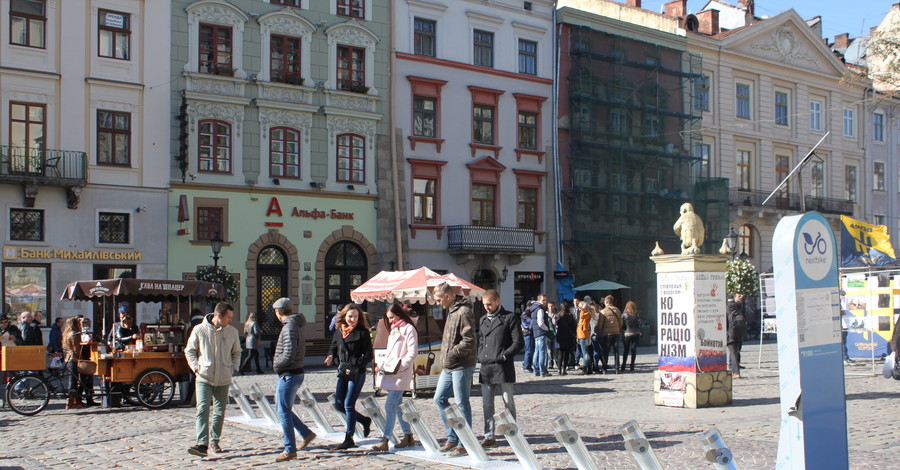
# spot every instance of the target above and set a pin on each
(137, 438)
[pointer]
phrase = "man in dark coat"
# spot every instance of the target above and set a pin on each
(737, 328)
(31, 333)
(499, 339)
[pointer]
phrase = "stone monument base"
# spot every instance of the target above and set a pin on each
(692, 389)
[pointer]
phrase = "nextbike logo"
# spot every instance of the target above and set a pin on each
(815, 249)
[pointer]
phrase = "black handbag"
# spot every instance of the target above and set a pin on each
(895, 372)
(348, 371)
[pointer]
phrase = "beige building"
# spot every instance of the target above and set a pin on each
(771, 91)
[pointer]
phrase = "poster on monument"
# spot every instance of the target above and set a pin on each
(676, 323)
(709, 321)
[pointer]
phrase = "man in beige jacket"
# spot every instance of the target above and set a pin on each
(213, 352)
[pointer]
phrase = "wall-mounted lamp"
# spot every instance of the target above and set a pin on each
(276, 181)
(317, 185)
(504, 274)
(351, 187)
(141, 209)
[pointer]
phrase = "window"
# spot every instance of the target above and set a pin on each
(26, 126)
(743, 169)
(352, 8)
(701, 153)
(878, 127)
(782, 169)
(27, 288)
(701, 93)
(215, 50)
(818, 179)
(879, 220)
(424, 200)
(27, 20)
(484, 48)
(851, 183)
(742, 100)
(284, 59)
(815, 115)
(215, 146)
(527, 215)
(351, 158)
(528, 131)
(483, 200)
(878, 173)
(527, 57)
(745, 240)
(651, 124)
(209, 222)
(849, 123)
(290, 3)
(618, 121)
(114, 34)
(113, 228)
(284, 152)
(113, 138)
(424, 116)
(26, 225)
(781, 108)
(424, 37)
(351, 68)
(483, 119)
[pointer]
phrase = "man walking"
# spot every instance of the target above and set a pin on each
(540, 329)
(213, 353)
(290, 351)
(737, 328)
(458, 356)
(499, 339)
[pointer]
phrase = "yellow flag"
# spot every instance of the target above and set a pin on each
(865, 236)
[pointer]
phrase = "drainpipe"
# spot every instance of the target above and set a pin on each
(555, 138)
(395, 178)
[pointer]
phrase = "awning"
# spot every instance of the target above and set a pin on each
(415, 286)
(602, 285)
(142, 290)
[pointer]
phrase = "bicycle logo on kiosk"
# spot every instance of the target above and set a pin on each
(814, 249)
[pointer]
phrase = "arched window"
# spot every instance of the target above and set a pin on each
(351, 158)
(272, 284)
(346, 268)
(284, 152)
(745, 241)
(215, 146)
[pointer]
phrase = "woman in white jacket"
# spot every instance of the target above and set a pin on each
(402, 346)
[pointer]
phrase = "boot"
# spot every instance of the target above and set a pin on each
(381, 446)
(407, 441)
(347, 444)
(367, 424)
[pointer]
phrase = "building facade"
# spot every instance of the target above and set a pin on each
(279, 124)
(84, 87)
(472, 92)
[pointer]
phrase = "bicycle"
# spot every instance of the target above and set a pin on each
(28, 393)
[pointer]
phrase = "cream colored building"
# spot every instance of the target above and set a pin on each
(771, 91)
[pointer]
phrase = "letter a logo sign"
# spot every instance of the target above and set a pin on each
(274, 207)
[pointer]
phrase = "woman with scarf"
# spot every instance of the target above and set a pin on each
(352, 346)
(396, 372)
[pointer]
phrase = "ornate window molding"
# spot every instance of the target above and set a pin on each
(231, 113)
(270, 118)
(351, 33)
(338, 125)
(221, 13)
(287, 23)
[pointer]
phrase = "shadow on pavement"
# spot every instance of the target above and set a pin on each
(872, 395)
(755, 401)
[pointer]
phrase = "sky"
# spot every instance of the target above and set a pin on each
(838, 16)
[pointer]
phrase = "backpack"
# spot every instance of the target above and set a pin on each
(526, 319)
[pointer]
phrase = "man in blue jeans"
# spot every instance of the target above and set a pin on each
(540, 329)
(458, 356)
(290, 352)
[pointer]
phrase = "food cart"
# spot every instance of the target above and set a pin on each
(157, 361)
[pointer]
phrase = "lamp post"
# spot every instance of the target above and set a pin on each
(731, 240)
(216, 244)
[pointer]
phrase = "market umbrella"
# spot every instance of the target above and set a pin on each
(601, 285)
(141, 290)
(414, 286)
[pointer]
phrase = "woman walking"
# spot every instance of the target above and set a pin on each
(632, 333)
(72, 347)
(565, 339)
(396, 372)
(583, 335)
(251, 343)
(352, 346)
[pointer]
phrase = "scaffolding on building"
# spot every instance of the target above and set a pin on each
(632, 163)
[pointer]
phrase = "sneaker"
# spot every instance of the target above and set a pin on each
(214, 448)
(529, 369)
(448, 446)
(306, 441)
(489, 442)
(285, 456)
(198, 450)
(458, 451)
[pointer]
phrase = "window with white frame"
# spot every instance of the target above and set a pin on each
(27, 23)
(215, 146)
(851, 183)
(878, 176)
(114, 34)
(815, 115)
(878, 127)
(818, 179)
(781, 108)
(849, 123)
(284, 152)
(351, 158)
(742, 100)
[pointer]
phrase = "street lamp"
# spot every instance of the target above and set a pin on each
(731, 240)
(216, 244)
(504, 274)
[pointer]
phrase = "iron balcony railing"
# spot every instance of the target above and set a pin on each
(480, 239)
(43, 165)
(788, 202)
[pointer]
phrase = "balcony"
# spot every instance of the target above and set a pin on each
(751, 199)
(42, 166)
(480, 239)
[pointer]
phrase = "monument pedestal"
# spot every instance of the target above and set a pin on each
(692, 332)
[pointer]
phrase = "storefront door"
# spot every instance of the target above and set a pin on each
(346, 268)
(271, 282)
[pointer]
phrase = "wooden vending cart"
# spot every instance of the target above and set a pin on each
(152, 368)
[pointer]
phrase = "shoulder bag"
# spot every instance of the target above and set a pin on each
(84, 366)
(390, 366)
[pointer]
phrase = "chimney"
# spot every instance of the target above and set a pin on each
(841, 41)
(633, 3)
(709, 22)
(676, 8)
(749, 13)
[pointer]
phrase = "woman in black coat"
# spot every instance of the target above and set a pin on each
(565, 338)
(352, 346)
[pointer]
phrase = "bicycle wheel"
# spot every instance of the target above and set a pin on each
(129, 396)
(28, 394)
(154, 388)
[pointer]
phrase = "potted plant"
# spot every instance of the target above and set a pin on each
(293, 80)
(225, 71)
(359, 88)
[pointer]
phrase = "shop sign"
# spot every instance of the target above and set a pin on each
(313, 213)
(560, 274)
(11, 253)
(530, 276)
